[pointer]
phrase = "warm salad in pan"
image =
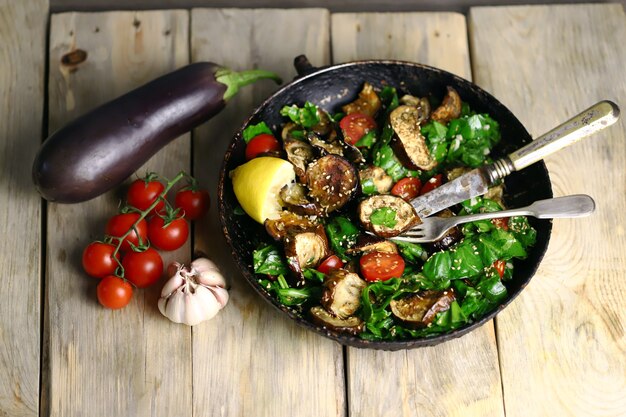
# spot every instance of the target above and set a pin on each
(322, 180)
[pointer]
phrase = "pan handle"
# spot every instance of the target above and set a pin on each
(304, 66)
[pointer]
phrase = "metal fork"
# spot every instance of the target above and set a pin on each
(434, 228)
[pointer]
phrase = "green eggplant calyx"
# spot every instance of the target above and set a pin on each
(235, 80)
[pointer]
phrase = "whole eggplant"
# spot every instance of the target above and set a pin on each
(102, 148)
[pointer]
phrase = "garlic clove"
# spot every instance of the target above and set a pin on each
(175, 309)
(200, 306)
(203, 264)
(221, 295)
(173, 268)
(162, 303)
(207, 302)
(172, 284)
(211, 277)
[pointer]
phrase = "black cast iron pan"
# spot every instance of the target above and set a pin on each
(333, 86)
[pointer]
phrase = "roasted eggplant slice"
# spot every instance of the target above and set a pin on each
(368, 243)
(342, 293)
(408, 143)
(295, 197)
(278, 228)
(351, 325)
(453, 236)
(300, 153)
(305, 249)
(374, 180)
(421, 103)
(386, 215)
(449, 109)
(496, 193)
(332, 182)
(419, 310)
(324, 147)
(367, 103)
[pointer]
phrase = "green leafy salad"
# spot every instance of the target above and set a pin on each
(334, 258)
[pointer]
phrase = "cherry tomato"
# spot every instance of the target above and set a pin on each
(499, 265)
(329, 264)
(261, 144)
(167, 237)
(381, 266)
(119, 224)
(143, 268)
(431, 184)
(195, 204)
(407, 188)
(113, 292)
(501, 223)
(98, 260)
(355, 126)
(141, 194)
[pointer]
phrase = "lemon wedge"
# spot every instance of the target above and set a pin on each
(257, 184)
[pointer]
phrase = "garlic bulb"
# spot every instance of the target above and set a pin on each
(193, 295)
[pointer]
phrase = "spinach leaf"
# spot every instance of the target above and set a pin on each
(437, 267)
(384, 216)
(313, 275)
(268, 260)
(523, 231)
(465, 260)
(342, 235)
(307, 116)
(366, 140)
(254, 130)
(368, 187)
(387, 160)
(412, 252)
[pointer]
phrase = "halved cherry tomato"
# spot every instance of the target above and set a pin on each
(381, 266)
(407, 188)
(98, 260)
(194, 203)
(431, 184)
(143, 268)
(499, 265)
(119, 224)
(355, 126)
(141, 194)
(113, 292)
(167, 237)
(501, 223)
(329, 264)
(261, 144)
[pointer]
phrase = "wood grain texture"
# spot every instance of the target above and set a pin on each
(459, 377)
(130, 362)
(250, 360)
(22, 54)
(562, 342)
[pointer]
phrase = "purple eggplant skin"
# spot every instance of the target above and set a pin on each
(102, 148)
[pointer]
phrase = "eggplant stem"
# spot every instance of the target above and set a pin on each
(235, 80)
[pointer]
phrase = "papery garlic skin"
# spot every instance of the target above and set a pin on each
(193, 295)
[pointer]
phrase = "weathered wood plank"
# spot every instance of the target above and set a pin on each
(562, 342)
(22, 72)
(250, 360)
(101, 362)
(459, 377)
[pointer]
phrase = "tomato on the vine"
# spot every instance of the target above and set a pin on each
(407, 188)
(431, 184)
(263, 143)
(167, 235)
(381, 266)
(143, 268)
(355, 126)
(119, 224)
(195, 203)
(329, 264)
(143, 192)
(98, 260)
(113, 292)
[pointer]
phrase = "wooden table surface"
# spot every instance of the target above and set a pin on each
(558, 350)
